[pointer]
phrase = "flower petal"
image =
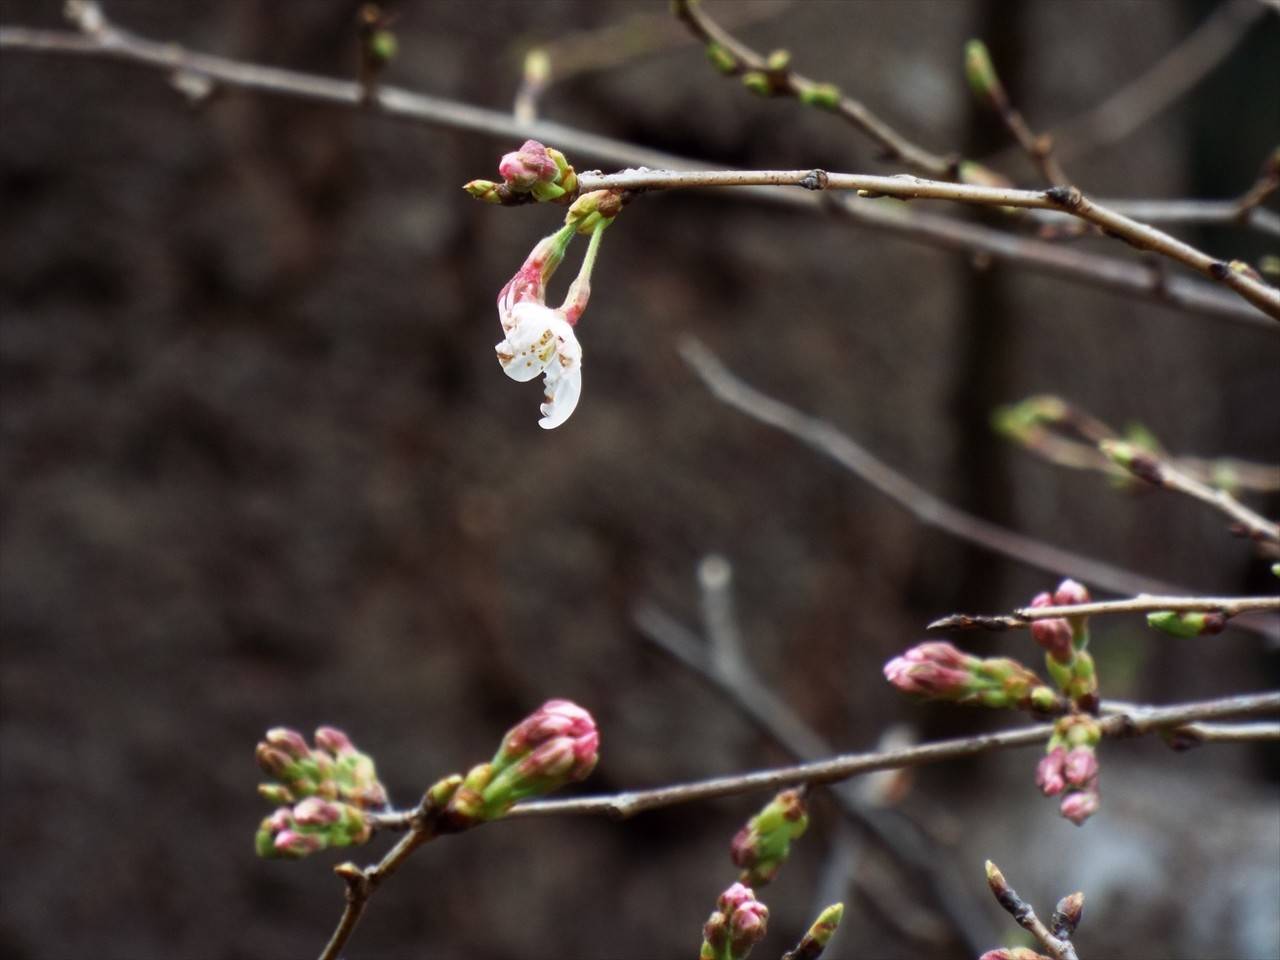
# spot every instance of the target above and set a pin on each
(563, 391)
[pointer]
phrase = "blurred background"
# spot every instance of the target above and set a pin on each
(259, 467)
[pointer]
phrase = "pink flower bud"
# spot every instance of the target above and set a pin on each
(935, 669)
(335, 741)
(290, 843)
(1013, 953)
(1079, 806)
(527, 166)
(1069, 593)
(290, 741)
(747, 927)
(555, 718)
(1081, 766)
(1049, 772)
(736, 896)
(316, 812)
(1053, 635)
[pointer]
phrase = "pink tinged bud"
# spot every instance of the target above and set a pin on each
(529, 165)
(736, 896)
(316, 812)
(1079, 806)
(1080, 766)
(281, 819)
(1050, 773)
(1013, 953)
(290, 843)
(335, 741)
(290, 741)
(1053, 635)
(747, 927)
(1070, 593)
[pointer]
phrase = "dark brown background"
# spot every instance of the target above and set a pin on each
(259, 466)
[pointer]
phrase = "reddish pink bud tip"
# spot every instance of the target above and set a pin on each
(1070, 593)
(1079, 807)
(1080, 766)
(1049, 772)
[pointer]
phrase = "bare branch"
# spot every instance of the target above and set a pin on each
(1151, 468)
(775, 79)
(1058, 948)
(1025, 616)
(1170, 78)
(1235, 275)
(630, 803)
(1109, 273)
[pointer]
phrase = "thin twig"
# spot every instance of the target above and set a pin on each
(1151, 468)
(1187, 212)
(1101, 271)
(903, 187)
(1227, 732)
(739, 59)
(931, 511)
(1025, 616)
(630, 803)
(986, 84)
(1170, 78)
(1059, 948)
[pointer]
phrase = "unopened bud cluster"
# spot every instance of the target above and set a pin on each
(1070, 767)
(939, 671)
(323, 792)
(534, 172)
(763, 845)
(1065, 640)
(738, 924)
(556, 745)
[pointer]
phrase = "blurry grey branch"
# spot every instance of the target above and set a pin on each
(608, 46)
(1057, 943)
(1150, 468)
(1236, 275)
(191, 70)
(770, 76)
(1034, 424)
(927, 508)
(1170, 78)
(827, 440)
(1025, 616)
(1120, 725)
(1187, 212)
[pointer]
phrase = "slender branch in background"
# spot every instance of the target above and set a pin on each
(986, 85)
(1047, 426)
(1025, 616)
(609, 46)
(1237, 275)
(927, 508)
(212, 72)
(1199, 212)
(630, 803)
(535, 77)
(771, 76)
(1267, 183)
(773, 717)
(1058, 942)
(1170, 78)
(1149, 467)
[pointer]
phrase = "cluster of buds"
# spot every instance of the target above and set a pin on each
(556, 745)
(763, 845)
(323, 792)
(737, 925)
(939, 671)
(1065, 640)
(1070, 767)
(309, 826)
(533, 173)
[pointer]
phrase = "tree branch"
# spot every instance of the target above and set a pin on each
(1025, 616)
(903, 187)
(928, 509)
(630, 803)
(1091, 269)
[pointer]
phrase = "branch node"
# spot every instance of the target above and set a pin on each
(816, 180)
(1069, 197)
